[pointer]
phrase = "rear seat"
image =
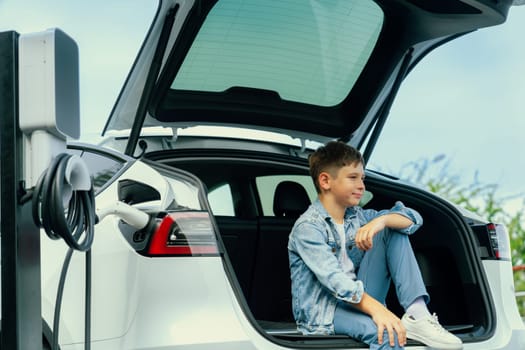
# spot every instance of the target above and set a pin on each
(270, 297)
(258, 251)
(240, 238)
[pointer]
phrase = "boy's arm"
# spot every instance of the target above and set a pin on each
(399, 217)
(384, 320)
(398, 208)
(365, 234)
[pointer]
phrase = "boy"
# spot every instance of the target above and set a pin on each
(343, 258)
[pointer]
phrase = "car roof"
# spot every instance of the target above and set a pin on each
(311, 69)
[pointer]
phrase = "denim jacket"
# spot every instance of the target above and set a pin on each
(318, 281)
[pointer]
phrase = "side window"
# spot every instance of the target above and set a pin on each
(221, 200)
(266, 186)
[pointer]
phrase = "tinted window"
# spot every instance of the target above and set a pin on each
(306, 51)
(221, 200)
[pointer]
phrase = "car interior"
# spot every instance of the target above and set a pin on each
(256, 241)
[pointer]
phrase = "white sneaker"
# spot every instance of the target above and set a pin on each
(429, 332)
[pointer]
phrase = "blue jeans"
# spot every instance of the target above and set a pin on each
(390, 260)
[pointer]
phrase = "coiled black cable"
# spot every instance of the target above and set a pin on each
(76, 228)
(74, 224)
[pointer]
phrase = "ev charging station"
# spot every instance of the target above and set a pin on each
(41, 185)
(39, 109)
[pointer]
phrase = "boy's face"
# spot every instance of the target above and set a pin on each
(347, 186)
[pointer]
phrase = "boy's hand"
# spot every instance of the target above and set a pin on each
(386, 320)
(364, 238)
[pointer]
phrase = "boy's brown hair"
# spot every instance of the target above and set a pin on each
(332, 157)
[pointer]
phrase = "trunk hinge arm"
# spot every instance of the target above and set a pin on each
(151, 79)
(387, 104)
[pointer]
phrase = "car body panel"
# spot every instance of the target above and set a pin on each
(112, 250)
(130, 290)
(510, 332)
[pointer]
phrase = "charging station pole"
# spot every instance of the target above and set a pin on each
(20, 238)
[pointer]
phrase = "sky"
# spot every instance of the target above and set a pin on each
(466, 100)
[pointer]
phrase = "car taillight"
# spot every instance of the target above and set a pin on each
(183, 233)
(493, 241)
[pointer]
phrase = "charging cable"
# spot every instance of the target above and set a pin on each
(63, 204)
(55, 188)
(132, 216)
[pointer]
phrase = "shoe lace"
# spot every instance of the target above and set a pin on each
(435, 323)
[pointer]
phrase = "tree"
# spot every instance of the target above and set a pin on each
(480, 198)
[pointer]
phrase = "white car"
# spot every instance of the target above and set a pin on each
(273, 80)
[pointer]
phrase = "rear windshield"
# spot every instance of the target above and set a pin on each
(306, 51)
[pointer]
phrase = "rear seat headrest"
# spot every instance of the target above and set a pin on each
(290, 199)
